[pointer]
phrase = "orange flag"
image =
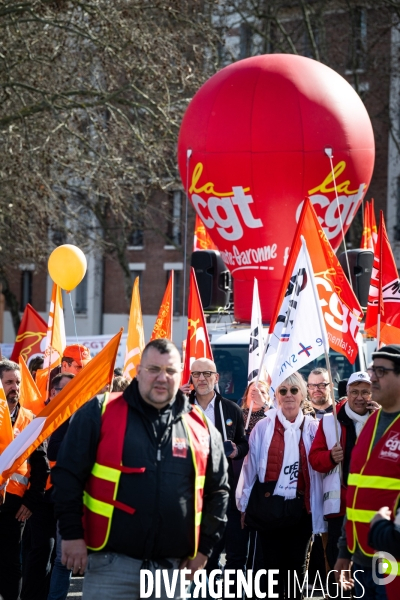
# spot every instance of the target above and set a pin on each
(197, 341)
(55, 341)
(135, 341)
(30, 333)
(6, 432)
(30, 396)
(84, 386)
(340, 307)
(384, 292)
(202, 240)
(163, 325)
(366, 240)
(372, 220)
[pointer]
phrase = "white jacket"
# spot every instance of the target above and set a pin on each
(255, 464)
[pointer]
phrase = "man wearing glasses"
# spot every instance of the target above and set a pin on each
(326, 455)
(149, 474)
(373, 480)
(319, 394)
(227, 417)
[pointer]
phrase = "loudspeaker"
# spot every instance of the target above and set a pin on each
(360, 262)
(213, 279)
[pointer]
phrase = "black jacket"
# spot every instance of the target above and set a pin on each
(384, 535)
(163, 524)
(234, 429)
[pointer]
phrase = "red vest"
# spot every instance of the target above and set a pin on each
(102, 486)
(374, 481)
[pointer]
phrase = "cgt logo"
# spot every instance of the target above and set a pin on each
(391, 449)
(384, 568)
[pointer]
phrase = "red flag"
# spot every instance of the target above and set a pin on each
(197, 341)
(202, 240)
(30, 333)
(163, 324)
(384, 292)
(366, 240)
(339, 304)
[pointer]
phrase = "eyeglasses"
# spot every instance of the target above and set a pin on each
(379, 371)
(363, 393)
(284, 391)
(155, 370)
(206, 374)
(58, 389)
(319, 386)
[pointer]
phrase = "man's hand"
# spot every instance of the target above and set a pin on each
(337, 453)
(74, 555)
(372, 405)
(194, 564)
(343, 573)
(185, 388)
(235, 451)
(383, 513)
(242, 519)
(23, 513)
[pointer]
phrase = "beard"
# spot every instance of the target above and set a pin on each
(12, 397)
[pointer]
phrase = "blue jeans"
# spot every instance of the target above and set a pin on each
(60, 576)
(109, 575)
(371, 590)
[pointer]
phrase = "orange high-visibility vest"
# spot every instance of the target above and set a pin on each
(100, 495)
(19, 480)
(373, 482)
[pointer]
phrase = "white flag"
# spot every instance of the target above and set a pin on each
(299, 336)
(256, 336)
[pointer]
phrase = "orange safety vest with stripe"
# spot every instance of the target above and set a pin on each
(373, 482)
(101, 490)
(18, 482)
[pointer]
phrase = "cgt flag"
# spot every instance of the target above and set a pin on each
(298, 337)
(340, 307)
(6, 432)
(384, 292)
(202, 240)
(86, 384)
(135, 341)
(30, 333)
(256, 336)
(29, 395)
(197, 341)
(163, 324)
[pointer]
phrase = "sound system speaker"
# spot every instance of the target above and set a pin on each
(360, 263)
(213, 278)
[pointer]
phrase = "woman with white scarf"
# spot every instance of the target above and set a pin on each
(278, 459)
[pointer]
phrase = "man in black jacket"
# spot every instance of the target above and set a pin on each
(161, 532)
(228, 419)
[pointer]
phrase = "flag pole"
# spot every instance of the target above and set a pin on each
(324, 335)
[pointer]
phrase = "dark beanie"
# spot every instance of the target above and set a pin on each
(391, 352)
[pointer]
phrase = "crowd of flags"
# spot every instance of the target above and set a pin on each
(316, 309)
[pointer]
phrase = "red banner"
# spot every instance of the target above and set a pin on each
(30, 333)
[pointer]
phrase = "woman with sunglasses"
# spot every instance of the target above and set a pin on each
(287, 491)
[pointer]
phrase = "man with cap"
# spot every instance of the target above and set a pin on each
(326, 454)
(75, 357)
(373, 480)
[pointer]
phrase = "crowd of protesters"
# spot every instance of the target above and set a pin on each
(162, 475)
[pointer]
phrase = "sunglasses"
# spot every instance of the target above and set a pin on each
(284, 391)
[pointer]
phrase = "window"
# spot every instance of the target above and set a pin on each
(136, 236)
(358, 40)
(397, 226)
(246, 34)
(177, 308)
(137, 270)
(26, 289)
(174, 221)
(81, 294)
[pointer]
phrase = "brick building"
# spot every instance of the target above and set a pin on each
(363, 46)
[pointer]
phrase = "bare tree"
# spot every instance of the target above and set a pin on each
(91, 98)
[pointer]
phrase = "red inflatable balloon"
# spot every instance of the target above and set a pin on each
(255, 140)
